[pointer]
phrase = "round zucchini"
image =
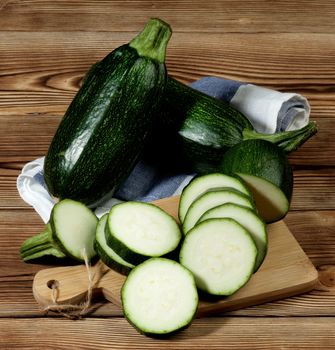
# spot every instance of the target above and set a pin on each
(264, 167)
(200, 184)
(137, 231)
(159, 297)
(221, 254)
(248, 219)
(210, 199)
(106, 253)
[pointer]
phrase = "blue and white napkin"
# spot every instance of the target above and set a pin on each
(268, 110)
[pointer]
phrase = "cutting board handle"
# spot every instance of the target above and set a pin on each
(70, 284)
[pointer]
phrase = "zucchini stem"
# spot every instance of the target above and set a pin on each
(153, 40)
(288, 141)
(40, 245)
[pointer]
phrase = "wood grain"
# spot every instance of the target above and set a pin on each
(185, 16)
(40, 72)
(209, 333)
(45, 49)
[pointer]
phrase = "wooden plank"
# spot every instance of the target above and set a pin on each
(313, 188)
(9, 196)
(318, 150)
(191, 16)
(40, 72)
(29, 141)
(207, 333)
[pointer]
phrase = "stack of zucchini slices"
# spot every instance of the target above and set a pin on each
(139, 239)
(220, 242)
(225, 238)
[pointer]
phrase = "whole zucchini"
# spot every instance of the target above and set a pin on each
(102, 133)
(198, 129)
(265, 169)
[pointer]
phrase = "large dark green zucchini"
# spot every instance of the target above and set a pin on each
(102, 133)
(198, 129)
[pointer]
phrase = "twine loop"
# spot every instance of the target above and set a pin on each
(72, 311)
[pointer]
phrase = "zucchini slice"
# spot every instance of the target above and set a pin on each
(265, 169)
(199, 185)
(69, 233)
(137, 231)
(221, 254)
(106, 253)
(212, 198)
(159, 297)
(248, 219)
(73, 227)
(270, 200)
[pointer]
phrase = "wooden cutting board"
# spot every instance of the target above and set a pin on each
(286, 271)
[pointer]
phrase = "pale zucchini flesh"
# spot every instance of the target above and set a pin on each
(270, 200)
(265, 169)
(211, 199)
(137, 231)
(199, 185)
(159, 297)
(73, 226)
(248, 219)
(221, 254)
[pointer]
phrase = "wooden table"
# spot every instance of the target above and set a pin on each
(47, 46)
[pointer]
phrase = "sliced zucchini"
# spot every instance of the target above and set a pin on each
(199, 185)
(264, 167)
(221, 254)
(159, 297)
(137, 231)
(106, 253)
(69, 233)
(270, 200)
(73, 226)
(248, 219)
(212, 198)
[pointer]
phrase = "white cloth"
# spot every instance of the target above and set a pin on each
(32, 189)
(268, 110)
(283, 111)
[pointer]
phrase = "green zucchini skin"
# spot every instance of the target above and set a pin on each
(102, 133)
(262, 159)
(195, 130)
(109, 258)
